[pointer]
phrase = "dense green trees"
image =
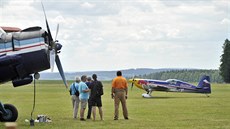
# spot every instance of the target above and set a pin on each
(185, 75)
(217, 76)
(225, 62)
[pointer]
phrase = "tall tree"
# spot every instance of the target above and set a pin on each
(225, 62)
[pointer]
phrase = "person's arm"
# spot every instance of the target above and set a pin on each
(86, 88)
(101, 88)
(126, 92)
(112, 89)
(112, 93)
(126, 89)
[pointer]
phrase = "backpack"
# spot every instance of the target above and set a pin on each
(76, 93)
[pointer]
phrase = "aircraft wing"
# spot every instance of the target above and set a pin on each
(9, 29)
(157, 86)
(161, 88)
(152, 85)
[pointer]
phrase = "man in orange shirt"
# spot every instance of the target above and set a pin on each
(119, 93)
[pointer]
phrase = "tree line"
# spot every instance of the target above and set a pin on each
(185, 75)
(225, 62)
(216, 76)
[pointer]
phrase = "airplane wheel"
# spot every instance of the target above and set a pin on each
(12, 113)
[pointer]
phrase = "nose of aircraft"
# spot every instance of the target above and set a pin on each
(132, 81)
(136, 82)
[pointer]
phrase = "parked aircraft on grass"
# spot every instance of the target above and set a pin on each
(172, 85)
(24, 53)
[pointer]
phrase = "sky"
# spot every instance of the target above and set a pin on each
(121, 34)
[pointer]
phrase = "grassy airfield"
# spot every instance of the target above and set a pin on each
(164, 111)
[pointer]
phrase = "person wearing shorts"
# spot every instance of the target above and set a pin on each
(83, 96)
(95, 96)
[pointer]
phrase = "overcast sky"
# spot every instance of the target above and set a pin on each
(121, 34)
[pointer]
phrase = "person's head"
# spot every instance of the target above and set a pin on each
(83, 78)
(78, 79)
(94, 76)
(89, 79)
(119, 73)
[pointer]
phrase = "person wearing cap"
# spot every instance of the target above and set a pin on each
(75, 99)
(95, 96)
(119, 93)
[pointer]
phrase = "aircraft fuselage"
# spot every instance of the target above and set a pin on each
(173, 85)
(22, 54)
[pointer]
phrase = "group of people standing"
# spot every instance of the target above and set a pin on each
(87, 91)
(90, 92)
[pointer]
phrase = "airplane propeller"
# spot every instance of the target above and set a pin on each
(132, 82)
(54, 49)
(57, 30)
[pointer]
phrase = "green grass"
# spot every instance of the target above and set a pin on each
(164, 111)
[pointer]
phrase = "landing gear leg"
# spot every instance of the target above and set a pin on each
(148, 94)
(2, 109)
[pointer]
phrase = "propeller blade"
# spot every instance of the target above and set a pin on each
(132, 81)
(132, 84)
(54, 49)
(47, 25)
(52, 59)
(59, 66)
(57, 30)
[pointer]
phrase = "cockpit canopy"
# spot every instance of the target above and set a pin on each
(173, 81)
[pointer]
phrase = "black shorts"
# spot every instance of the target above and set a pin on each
(96, 102)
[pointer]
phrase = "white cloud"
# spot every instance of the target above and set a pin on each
(225, 21)
(129, 34)
(87, 5)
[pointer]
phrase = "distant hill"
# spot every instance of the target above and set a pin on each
(102, 75)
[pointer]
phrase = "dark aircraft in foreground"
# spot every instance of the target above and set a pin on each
(23, 54)
(172, 85)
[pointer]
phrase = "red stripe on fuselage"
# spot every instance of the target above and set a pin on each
(5, 51)
(17, 49)
(21, 48)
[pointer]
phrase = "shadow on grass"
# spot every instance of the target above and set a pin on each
(174, 97)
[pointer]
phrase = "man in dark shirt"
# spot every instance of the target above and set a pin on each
(95, 96)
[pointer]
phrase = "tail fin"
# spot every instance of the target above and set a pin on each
(204, 84)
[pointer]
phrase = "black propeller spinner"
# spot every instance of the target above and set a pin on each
(54, 49)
